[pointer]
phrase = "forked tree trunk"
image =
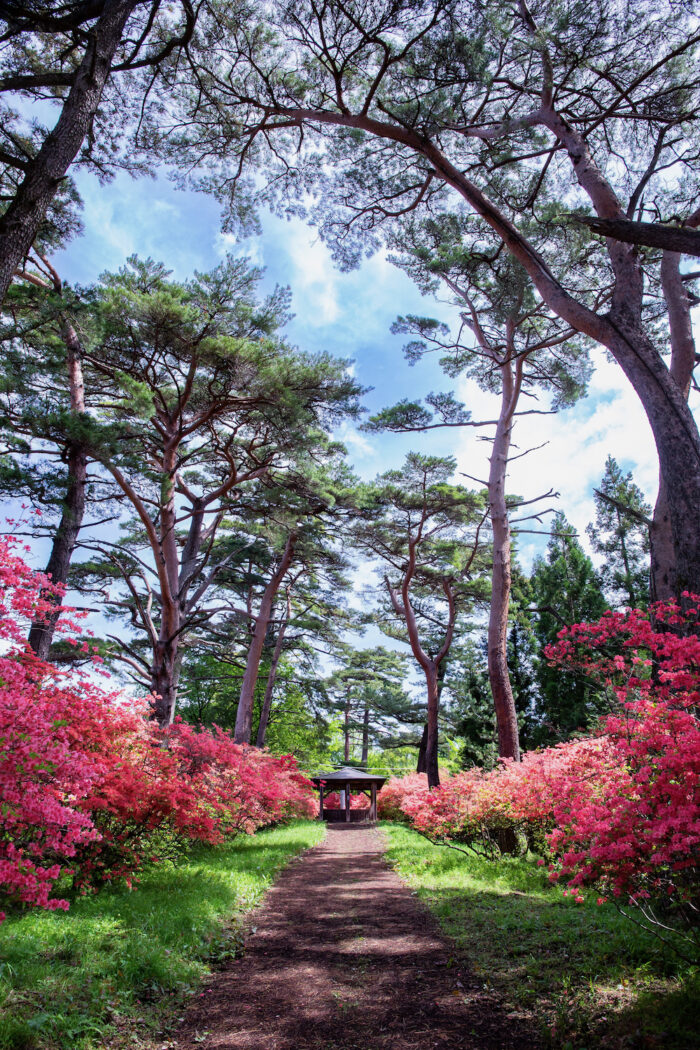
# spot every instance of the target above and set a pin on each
(244, 714)
(44, 173)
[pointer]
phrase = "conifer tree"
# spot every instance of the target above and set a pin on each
(566, 589)
(427, 534)
(533, 116)
(620, 534)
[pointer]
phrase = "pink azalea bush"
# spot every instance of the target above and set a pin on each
(332, 801)
(87, 780)
(619, 810)
(396, 790)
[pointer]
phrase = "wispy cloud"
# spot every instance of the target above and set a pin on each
(610, 421)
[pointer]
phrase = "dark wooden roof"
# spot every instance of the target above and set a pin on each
(349, 775)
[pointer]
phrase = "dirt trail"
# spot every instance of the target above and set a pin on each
(344, 957)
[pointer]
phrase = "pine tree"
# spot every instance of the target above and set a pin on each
(620, 534)
(566, 589)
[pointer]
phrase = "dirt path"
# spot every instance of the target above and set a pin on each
(344, 957)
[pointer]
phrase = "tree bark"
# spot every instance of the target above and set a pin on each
(664, 583)
(673, 239)
(497, 635)
(244, 714)
(365, 737)
(271, 677)
(42, 631)
(21, 221)
(422, 766)
(499, 677)
(431, 740)
(163, 675)
(346, 731)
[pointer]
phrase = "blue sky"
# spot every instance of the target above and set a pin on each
(350, 314)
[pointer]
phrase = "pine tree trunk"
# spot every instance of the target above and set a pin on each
(431, 742)
(244, 714)
(42, 631)
(422, 766)
(271, 677)
(163, 681)
(664, 582)
(346, 731)
(20, 223)
(499, 677)
(365, 738)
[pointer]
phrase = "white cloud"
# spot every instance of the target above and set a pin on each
(610, 421)
(314, 279)
(228, 244)
(355, 441)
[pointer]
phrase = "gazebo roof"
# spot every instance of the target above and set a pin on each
(348, 775)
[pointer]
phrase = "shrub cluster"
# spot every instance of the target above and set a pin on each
(619, 810)
(91, 788)
(332, 801)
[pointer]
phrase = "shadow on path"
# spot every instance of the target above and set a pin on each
(344, 957)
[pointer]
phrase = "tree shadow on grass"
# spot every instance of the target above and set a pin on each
(66, 976)
(588, 974)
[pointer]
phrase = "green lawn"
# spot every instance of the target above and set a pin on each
(587, 975)
(117, 965)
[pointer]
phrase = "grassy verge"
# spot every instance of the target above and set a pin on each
(116, 967)
(587, 974)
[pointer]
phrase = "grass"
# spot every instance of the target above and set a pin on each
(115, 968)
(587, 975)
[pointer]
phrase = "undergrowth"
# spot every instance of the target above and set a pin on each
(586, 974)
(116, 967)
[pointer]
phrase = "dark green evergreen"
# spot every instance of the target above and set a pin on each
(620, 534)
(565, 589)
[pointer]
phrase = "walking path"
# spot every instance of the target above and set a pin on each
(344, 957)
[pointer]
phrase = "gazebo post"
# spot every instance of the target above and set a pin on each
(344, 780)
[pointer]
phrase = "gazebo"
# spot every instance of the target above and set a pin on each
(349, 780)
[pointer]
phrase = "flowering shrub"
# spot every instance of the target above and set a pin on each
(619, 810)
(89, 786)
(332, 801)
(492, 810)
(396, 790)
(637, 834)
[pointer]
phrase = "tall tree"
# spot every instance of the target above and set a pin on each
(372, 698)
(45, 427)
(296, 519)
(208, 400)
(620, 534)
(515, 348)
(428, 534)
(68, 52)
(379, 109)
